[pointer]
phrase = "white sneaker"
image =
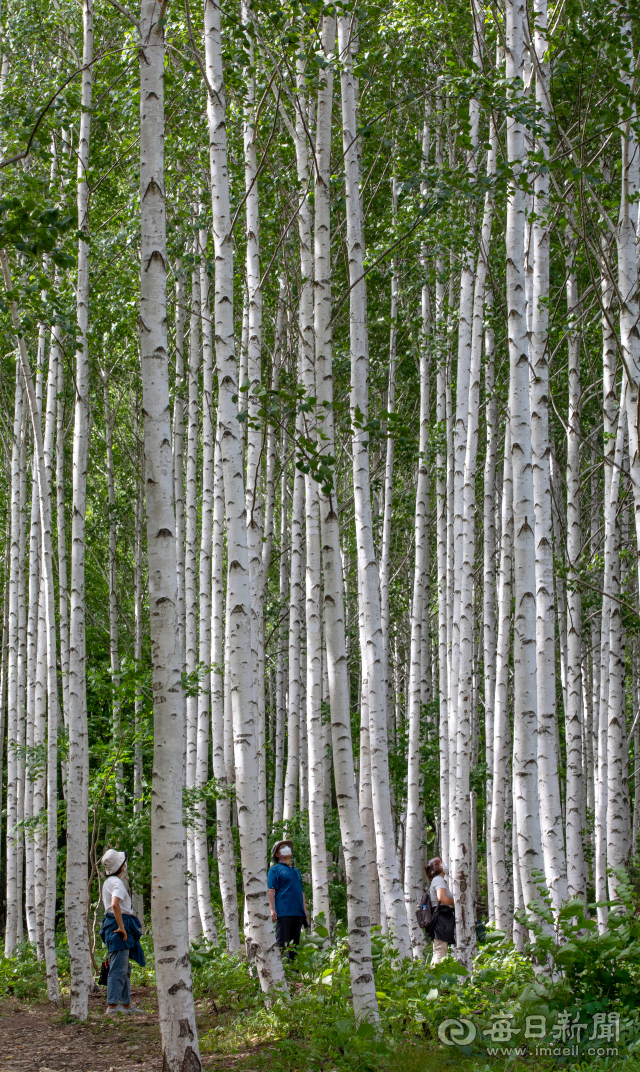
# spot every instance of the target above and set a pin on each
(133, 1010)
(114, 1011)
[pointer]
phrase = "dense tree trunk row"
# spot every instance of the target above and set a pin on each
(334, 534)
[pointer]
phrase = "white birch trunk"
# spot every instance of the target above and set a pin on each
(5, 637)
(617, 827)
(254, 427)
(44, 497)
(22, 677)
(574, 795)
(610, 412)
(76, 894)
(627, 245)
(113, 586)
(137, 898)
(464, 877)
(313, 580)
(224, 838)
(385, 551)
(489, 580)
(365, 794)
(295, 615)
(303, 774)
(281, 693)
(178, 448)
(441, 563)
(191, 585)
(253, 847)
(39, 810)
(500, 813)
(13, 894)
(365, 1004)
(548, 781)
(413, 872)
(32, 685)
(168, 895)
(63, 594)
(525, 774)
(367, 569)
(204, 607)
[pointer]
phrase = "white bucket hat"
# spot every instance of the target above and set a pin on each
(112, 861)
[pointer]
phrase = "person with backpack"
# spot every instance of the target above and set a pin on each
(435, 913)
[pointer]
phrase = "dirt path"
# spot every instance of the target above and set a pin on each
(35, 1038)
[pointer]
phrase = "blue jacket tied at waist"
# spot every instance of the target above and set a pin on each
(114, 941)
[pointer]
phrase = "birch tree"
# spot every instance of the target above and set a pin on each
(76, 900)
(367, 569)
(168, 895)
(252, 840)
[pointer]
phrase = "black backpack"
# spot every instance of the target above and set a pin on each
(426, 914)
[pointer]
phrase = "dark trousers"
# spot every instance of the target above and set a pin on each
(288, 930)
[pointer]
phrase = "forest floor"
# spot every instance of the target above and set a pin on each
(35, 1037)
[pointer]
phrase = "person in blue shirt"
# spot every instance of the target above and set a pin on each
(286, 897)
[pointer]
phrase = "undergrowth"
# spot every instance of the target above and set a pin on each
(570, 999)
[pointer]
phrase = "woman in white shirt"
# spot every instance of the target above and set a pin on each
(117, 903)
(441, 898)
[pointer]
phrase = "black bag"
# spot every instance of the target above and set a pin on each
(426, 914)
(104, 972)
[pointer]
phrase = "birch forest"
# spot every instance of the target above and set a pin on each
(320, 481)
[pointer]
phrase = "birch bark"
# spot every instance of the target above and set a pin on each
(44, 497)
(252, 841)
(525, 773)
(464, 876)
(295, 615)
(254, 424)
(365, 1005)
(413, 873)
(385, 551)
(365, 794)
(22, 678)
(367, 569)
(190, 582)
(500, 811)
(224, 838)
(610, 413)
(574, 796)
(33, 685)
(204, 606)
(13, 893)
(441, 563)
(281, 704)
(548, 781)
(489, 578)
(168, 895)
(39, 782)
(612, 815)
(63, 593)
(313, 581)
(113, 586)
(137, 899)
(178, 449)
(76, 896)
(626, 240)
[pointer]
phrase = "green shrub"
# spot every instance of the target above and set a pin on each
(22, 975)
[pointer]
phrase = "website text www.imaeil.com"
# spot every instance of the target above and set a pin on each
(566, 1035)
